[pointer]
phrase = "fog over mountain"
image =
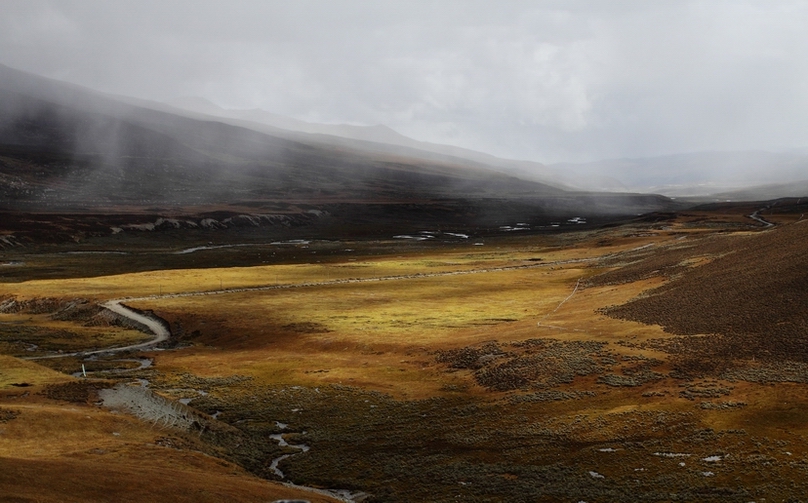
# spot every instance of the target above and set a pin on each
(548, 82)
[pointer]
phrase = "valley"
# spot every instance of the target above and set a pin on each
(657, 358)
(207, 308)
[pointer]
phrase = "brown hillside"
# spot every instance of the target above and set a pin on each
(754, 299)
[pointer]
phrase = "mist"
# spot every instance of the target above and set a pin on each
(541, 81)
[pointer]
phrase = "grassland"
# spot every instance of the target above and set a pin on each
(426, 373)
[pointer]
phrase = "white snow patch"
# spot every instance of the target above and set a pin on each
(141, 227)
(712, 459)
(414, 238)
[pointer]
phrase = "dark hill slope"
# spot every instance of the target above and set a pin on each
(64, 148)
(85, 144)
(753, 300)
(152, 157)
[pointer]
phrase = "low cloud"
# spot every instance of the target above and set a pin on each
(546, 81)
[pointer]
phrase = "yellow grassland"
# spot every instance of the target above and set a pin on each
(380, 336)
(54, 451)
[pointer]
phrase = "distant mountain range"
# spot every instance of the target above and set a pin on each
(384, 138)
(742, 174)
(68, 148)
(739, 174)
(62, 142)
(65, 148)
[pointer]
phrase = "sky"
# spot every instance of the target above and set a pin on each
(547, 81)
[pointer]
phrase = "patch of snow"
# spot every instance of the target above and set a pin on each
(9, 240)
(596, 475)
(212, 247)
(173, 222)
(414, 238)
(149, 226)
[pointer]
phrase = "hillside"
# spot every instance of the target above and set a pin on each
(381, 138)
(748, 303)
(68, 149)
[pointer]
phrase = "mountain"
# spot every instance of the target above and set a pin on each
(386, 138)
(68, 148)
(702, 173)
(86, 146)
(766, 192)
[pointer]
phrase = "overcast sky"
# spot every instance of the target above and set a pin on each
(540, 80)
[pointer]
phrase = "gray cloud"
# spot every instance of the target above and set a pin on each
(546, 81)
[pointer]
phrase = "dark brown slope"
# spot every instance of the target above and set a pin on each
(61, 142)
(65, 149)
(753, 299)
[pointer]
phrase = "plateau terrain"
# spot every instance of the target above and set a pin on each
(194, 309)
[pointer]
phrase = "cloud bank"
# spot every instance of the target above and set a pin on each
(546, 81)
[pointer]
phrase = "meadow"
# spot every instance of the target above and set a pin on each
(430, 372)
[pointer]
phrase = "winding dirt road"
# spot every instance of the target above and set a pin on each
(756, 217)
(160, 331)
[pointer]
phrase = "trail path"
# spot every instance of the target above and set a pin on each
(160, 331)
(577, 284)
(156, 326)
(756, 217)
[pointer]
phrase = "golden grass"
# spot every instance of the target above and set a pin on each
(70, 336)
(381, 335)
(142, 474)
(384, 336)
(190, 280)
(55, 451)
(14, 370)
